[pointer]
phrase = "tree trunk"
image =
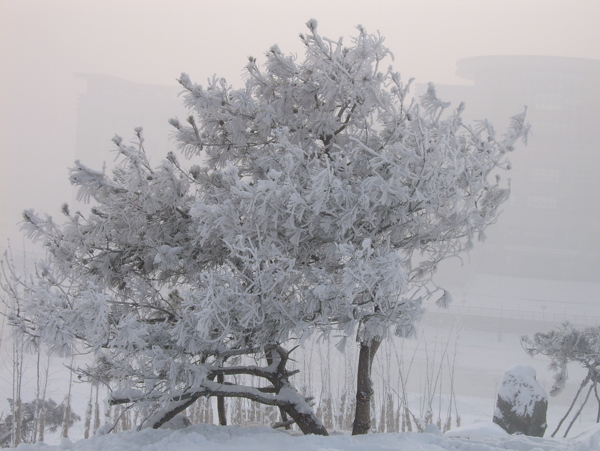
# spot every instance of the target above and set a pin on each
(18, 417)
(17, 411)
(168, 413)
(597, 399)
(583, 384)
(287, 426)
(580, 409)
(364, 388)
(67, 418)
(307, 422)
(88, 414)
(292, 403)
(221, 403)
(96, 411)
(42, 424)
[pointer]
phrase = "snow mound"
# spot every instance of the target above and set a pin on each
(482, 437)
(591, 437)
(478, 430)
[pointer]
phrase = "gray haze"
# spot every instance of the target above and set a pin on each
(75, 73)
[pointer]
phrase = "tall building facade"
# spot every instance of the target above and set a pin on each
(550, 228)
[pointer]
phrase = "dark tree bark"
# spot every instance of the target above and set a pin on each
(170, 414)
(580, 409)
(285, 422)
(364, 388)
(221, 404)
(307, 422)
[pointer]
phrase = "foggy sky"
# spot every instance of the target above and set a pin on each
(44, 43)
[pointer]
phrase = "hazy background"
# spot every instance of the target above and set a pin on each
(74, 73)
(44, 44)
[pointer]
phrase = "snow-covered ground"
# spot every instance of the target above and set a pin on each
(483, 328)
(478, 437)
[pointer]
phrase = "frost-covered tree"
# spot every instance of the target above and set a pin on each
(569, 344)
(55, 415)
(321, 197)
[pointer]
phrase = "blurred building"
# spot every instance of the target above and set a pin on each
(551, 227)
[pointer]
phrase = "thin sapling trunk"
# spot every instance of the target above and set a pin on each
(364, 388)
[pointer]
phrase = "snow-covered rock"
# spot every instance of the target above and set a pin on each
(522, 403)
(484, 436)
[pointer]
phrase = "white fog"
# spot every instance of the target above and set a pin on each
(74, 74)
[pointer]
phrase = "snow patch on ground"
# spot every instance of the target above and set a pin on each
(483, 437)
(478, 430)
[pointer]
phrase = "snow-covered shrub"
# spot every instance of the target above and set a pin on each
(564, 345)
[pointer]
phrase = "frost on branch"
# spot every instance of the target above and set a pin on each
(318, 197)
(564, 345)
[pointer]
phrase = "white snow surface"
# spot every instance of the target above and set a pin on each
(478, 430)
(233, 438)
